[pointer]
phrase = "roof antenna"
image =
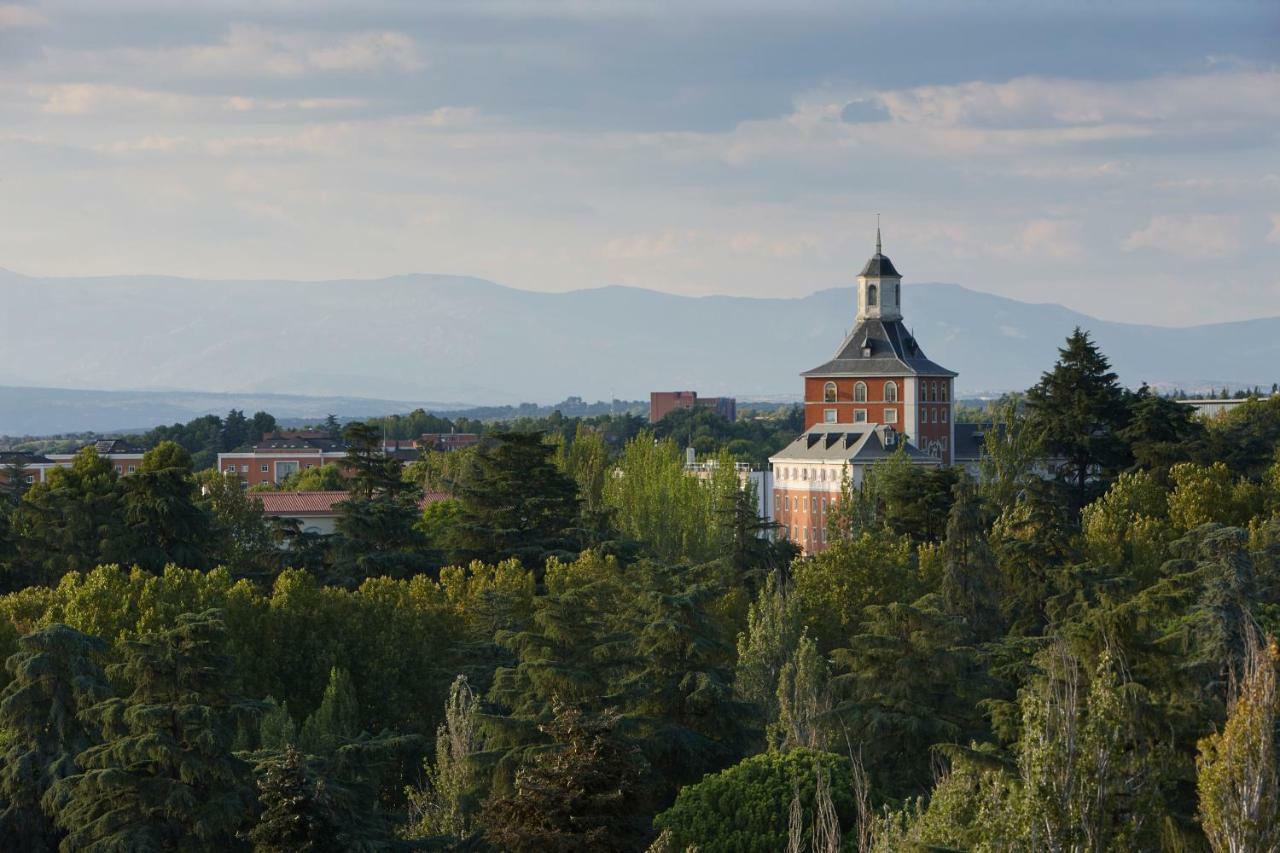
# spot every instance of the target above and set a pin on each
(877, 233)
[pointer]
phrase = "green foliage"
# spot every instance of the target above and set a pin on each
(321, 478)
(1237, 779)
(165, 524)
(336, 720)
(297, 813)
(244, 540)
(574, 795)
(515, 503)
(744, 809)
(56, 675)
(164, 775)
(276, 730)
(1077, 412)
(445, 805)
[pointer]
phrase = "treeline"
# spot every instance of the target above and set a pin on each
(613, 658)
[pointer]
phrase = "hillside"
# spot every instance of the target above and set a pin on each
(428, 337)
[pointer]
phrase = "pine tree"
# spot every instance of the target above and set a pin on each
(515, 502)
(164, 776)
(56, 675)
(297, 812)
(1078, 411)
(378, 525)
(677, 693)
(165, 523)
(575, 797)
(971, 579)
(277, 730)
(336, 720)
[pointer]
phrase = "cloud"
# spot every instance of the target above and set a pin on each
(249, 51)
(1274, 235)
(864, 110)
(14, 16)
(1192, 236)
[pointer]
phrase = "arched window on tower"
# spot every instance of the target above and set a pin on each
(891, 392)
(871, 295)
(860, 392)
(829, 392)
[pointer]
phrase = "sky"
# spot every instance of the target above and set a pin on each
(1119, 158)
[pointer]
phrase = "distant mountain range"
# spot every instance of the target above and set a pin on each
(450, 338)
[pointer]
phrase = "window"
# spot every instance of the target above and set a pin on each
(231, 469)
(829, 416)
(860, 392)
(871, 295)
(310, 466)
(924, 390)
(815, 504)
(859, 416)
(244, 469)
(31, 478)
(891, 392)
(132, 469)
(824, 504)
(943, 392)
(119, 469)
(829, 392)
(944, 416)
(891, 416)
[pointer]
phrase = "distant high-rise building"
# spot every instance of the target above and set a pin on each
(663, 403)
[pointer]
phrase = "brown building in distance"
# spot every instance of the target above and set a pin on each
(663, 403)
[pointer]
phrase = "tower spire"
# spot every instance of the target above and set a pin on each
(877, 233)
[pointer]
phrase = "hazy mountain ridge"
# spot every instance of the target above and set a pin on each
(454, 338)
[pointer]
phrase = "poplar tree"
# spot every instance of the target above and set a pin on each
(164, 776)
(56, 675)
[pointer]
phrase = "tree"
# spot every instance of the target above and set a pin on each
(13, 476)
(573, 796)
(56, 675)
(676, 688)
(443, 807)
(744, 808)
(1011, 450)
(378, 525)
(332, 426)
(235, 430)
(164, 522)
(322, 478)
(243, 539)
(765, 648)
(164, 776)
(515, 503)
(1237, 776)
(336, 720)
(70, 522)
(971, 588)
(1161, 432)
(1077, 412)
(297, 813)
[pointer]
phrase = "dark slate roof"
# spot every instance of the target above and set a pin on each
(970, 442)
(880, 265)
(852, 443)
(893, 352)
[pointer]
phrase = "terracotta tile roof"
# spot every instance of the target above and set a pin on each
(300, 503)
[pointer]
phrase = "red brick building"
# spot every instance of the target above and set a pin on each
(282, 453)
(663, 403)
(879, 395)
